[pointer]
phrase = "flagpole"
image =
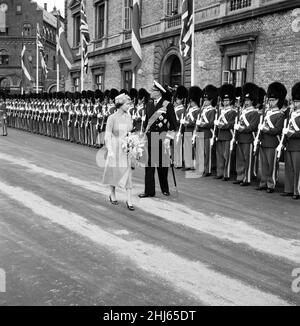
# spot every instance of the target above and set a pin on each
(22, 88)
(37, 61)
(81, 45)
(57, 53)
(193, 49)
(134, 78)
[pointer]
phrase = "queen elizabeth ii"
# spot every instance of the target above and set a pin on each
(117, 172)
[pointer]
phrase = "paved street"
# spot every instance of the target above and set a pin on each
(63, 243)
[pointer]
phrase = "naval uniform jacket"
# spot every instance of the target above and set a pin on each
(249, 119)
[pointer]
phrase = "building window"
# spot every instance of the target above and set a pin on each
(100, 20)
(76, 84)
(4, 58)
(127, 79)
(26, 30)
(127, 14)
(76, 21)
(172, 7)
(99, 82)
(237, 72)
(19, 9)
(54, 62)
(239, 4)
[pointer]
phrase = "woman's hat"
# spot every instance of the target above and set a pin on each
(122, 98)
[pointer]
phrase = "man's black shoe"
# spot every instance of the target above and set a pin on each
(296, 197)
(237, 182)
(260, 188)
(206, 174)
(225, 179)
(166, 193)
(270, 190)
(287, 194)
(145, 195)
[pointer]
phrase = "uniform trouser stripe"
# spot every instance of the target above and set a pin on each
(250, 163)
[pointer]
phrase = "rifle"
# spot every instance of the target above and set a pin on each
(280, 146)
(237, 119)
(213, 138)
(258, 135)
(143, 120)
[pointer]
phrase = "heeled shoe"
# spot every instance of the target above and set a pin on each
(113, 202)
(130, 207)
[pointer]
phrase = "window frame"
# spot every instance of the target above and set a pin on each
(76, 30)
(127, 15)
(98, 5)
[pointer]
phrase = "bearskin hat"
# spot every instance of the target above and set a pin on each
(211, 93)
(195, 94)
(77, 95)
(106, 93)
(227, 92)
(133, 93)
(238, 92)
(84, 94)
(278, 91)
(250, 91)
(90, 94)
(99, 94)
(143, 94)
(113, 93)
(124, 91)
(181, 92)
(296, 92)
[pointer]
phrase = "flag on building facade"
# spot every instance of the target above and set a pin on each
(187, 28)
(63, 47)
(25, 64)
(41, 50)
(85, 36)
(136, 36)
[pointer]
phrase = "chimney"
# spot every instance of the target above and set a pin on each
(45, 6)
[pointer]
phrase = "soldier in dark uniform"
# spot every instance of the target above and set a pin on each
(180, 96)
(225, 125)
(292, 154)
(140, 118)
(3, 114)
(271, 130)
(245, 134)
(160, 129)
(206, 124)
(191, 115)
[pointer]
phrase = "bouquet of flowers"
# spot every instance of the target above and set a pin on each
(133, 144)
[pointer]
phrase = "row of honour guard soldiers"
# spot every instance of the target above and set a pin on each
(228, 129)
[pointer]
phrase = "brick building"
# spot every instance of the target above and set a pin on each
(17, 18)
(235, 41)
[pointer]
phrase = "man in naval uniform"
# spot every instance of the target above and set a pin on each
(160, 129)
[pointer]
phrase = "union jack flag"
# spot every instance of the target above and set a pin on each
(187, 29)
(84, 29)
(41, 51)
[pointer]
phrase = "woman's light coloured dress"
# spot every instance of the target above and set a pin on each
(117, 171)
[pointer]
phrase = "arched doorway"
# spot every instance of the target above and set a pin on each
(5, 84)
(171, 70)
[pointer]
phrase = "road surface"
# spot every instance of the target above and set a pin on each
(63, 243)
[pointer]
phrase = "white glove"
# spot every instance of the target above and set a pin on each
(182, 121)
(285, 131)
(198, 123)
(167, 143)
(260, 127)
(216, 123)
(237, 126)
